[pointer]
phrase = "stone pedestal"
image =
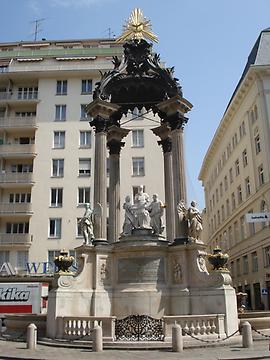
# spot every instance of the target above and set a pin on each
(142, 275)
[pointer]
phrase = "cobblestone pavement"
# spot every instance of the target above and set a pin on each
(17, 350)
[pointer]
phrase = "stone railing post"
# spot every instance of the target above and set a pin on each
(97, 344)
(177, 338)
(247, 340)
(31, 337)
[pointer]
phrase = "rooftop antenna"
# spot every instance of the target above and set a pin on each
(111, 34)
(37, 23)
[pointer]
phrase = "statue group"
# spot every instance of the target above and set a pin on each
(143, 214)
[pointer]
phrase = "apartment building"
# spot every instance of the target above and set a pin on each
(235, 175)
(47, 146)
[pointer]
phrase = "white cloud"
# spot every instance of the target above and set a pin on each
(74, 3)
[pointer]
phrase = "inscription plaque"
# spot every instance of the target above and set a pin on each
(141, 270)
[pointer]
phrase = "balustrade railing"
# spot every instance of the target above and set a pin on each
(196, 325)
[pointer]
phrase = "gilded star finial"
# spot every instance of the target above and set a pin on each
(137, 27)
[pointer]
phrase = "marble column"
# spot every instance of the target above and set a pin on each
(179, 176)
(172, 111)
(114, 143)
(103, 113)
(163, 132)
(100, 179)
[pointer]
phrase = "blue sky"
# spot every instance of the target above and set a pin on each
(207, 42)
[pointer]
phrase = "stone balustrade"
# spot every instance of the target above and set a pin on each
(196, 325)
(201, 326)
(74, 327)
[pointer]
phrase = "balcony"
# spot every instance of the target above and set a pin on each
(15, 239)
(9, 178)
(19, 97)
(7, 209)
(26, 122)
(17, 150)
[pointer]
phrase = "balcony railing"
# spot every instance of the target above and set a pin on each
(19, 95)
(15, 208)
(16, 178)
(15, 239)
(20, 149)
(18, 122)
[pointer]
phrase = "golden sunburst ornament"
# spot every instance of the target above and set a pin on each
(137, 27)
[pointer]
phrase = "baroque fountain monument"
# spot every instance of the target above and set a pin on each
(135, 275)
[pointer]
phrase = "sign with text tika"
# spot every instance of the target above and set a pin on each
(257, 217)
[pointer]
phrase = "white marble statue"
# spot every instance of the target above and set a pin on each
(193, 216)
(129, 217)
(195, 221)
(87, 224)
(156, 211)
(141, 202)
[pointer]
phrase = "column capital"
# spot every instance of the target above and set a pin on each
(114, 139)
(100, 124)
(115, 146)
(166, 145)
(102, 108)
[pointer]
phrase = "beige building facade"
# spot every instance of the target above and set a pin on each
(47, 147)
(235, 175)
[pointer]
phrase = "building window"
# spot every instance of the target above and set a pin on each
(87, 86)
(221, 189)
(254, 261)
(21, 168)
(52, 254)
(85, 139)
(251, 226)
(27, 93)
(232, 268)
(260, 174)
(79, 228)
(83, 115)
(247, 186)
(135, 190)
(17, 228)
(231, 175)
(228, 207)
(55, 228)
(59, 139)
(245, 264)
(237, 168)
(239, 194)
(22, 259)
(225, 183)
(137, 138)
(61, 87)
(245, 158)
(236, 232)
(56, 197)
(242, 130)
(138, 166)
(238, 267)
(230, 236)
(217, 198)
(264, 208)
(4, 257)
(218, 217)
(233, 201)
(60, 112)
(58, 167)
(267, 255)
(222, 213)
(19, 198)
(83, 195)
(257, 144)
(242, 227)
(85, 167)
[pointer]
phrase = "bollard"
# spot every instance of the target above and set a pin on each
(31, 337)
(177, 338)
(247, 340)
(97, 344)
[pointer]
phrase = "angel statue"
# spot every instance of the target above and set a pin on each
(87, 223)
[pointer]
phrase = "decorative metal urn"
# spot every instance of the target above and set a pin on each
(218, 260)
(63, 262)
